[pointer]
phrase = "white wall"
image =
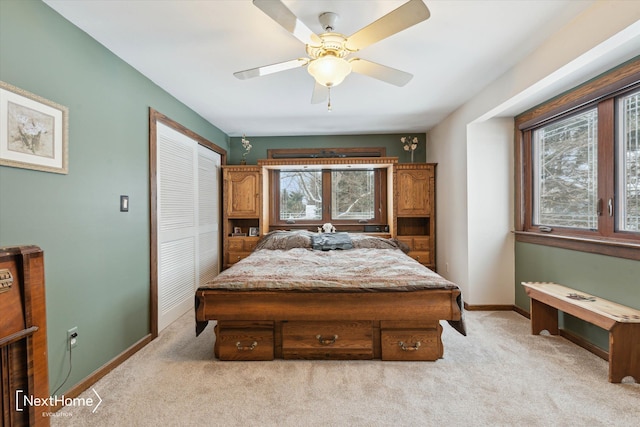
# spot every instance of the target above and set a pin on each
(469, 146)
(490, 188)
(447, 146)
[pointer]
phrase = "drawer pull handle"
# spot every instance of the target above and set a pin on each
(326, 341)
(246, 348)
(414, 347)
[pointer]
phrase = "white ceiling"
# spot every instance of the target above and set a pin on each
(192, 48)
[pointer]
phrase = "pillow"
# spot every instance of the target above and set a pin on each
(402, 245)
(331, 241)
(285, 240)
(363, 241)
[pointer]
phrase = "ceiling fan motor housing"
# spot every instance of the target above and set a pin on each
(328, 21)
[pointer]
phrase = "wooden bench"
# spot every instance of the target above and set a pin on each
(623, 323)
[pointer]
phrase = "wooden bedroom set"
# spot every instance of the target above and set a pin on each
(282, 296)
(369, 302)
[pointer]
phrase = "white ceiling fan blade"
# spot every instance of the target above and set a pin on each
(277, 11)
(380, 72)
(270, 69)
(319, 93)
(405, 16)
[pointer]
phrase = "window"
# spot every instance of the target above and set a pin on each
(300, 195)
(565, 172)
(579, 162)
(319, 196)
(353, 195)
(629, 161)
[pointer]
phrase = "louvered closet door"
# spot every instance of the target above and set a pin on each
(188, 194)
(208, 214)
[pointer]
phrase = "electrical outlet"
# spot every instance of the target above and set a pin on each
(72, 337)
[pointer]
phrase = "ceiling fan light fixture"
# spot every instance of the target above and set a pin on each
(329, 70)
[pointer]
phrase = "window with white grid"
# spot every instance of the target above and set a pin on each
(578, 157)
(629, 162)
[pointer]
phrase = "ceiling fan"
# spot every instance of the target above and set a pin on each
(329, 60)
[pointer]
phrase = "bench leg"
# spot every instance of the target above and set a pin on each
(543, 317)
(624, 352)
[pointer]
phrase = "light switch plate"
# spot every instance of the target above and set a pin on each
(124, 203)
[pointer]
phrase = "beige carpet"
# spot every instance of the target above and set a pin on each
(499, 375)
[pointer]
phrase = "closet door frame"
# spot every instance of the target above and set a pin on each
(154, 118)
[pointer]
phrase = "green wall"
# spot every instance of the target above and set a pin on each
(390, 141)
(615, 279)
(96, 258)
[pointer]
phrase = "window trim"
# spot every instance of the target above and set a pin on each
(601, 91)
(324, 153)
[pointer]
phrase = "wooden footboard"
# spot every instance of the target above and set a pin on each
(262, 325)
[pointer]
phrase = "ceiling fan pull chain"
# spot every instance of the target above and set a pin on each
(329, 97)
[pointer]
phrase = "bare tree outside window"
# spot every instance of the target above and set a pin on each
(352, 195)
(565, 172)
(629, 172)
(300, 195)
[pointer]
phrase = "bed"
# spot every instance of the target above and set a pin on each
(303, 295)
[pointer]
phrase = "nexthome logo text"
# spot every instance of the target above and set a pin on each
(25, 400)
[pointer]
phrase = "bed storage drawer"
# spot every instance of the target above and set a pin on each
(244, 341)
(327, 340)
(411, 344)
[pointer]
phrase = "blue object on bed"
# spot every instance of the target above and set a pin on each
(331, 241)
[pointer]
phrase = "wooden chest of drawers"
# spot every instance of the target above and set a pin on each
(23, 336)
(240, 248)
(420, 248)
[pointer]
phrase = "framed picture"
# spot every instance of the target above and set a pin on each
(34, 131)
(237, 230)
(253, 231)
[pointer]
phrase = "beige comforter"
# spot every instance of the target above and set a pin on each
(286, 261)
(303, 269)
